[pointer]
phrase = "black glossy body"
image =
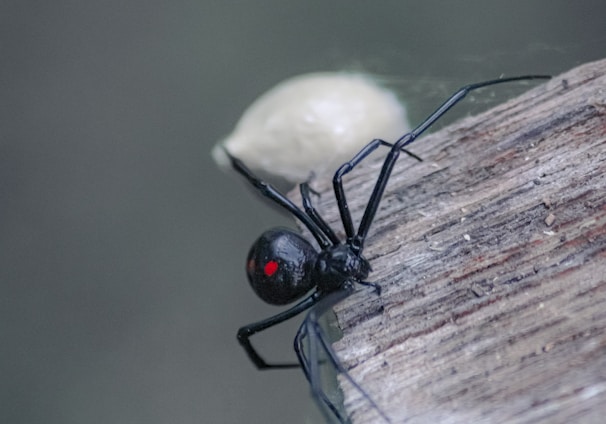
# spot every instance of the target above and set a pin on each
(337, 265)
(280, 266)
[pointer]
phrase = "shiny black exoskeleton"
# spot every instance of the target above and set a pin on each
(282, 266)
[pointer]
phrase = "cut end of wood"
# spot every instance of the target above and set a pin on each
(492, 259)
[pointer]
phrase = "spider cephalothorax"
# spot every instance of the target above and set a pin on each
(338, 265)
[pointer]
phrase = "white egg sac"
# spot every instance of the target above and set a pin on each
(311, 124)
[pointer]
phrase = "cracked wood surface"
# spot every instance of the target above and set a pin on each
(492, 258)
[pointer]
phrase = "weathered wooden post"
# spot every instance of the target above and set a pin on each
(492, 258)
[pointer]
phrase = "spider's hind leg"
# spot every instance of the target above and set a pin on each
(270, 192)
(246, 332)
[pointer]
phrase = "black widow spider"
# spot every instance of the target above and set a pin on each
(282, 266)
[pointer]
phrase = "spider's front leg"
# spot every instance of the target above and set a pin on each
(346, 168)
(310, 210)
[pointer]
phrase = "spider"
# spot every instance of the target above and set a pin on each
(282, 266)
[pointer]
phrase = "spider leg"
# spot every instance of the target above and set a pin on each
(406, 139)
(247, 331)
(274, 194)
(319, 395)
(337, 181)
(313, 213)
(312, 330)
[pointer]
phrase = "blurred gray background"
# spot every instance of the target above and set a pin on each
(122, 247)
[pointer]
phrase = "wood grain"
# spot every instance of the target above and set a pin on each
(492, 258)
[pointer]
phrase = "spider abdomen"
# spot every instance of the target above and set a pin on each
(279, 266)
